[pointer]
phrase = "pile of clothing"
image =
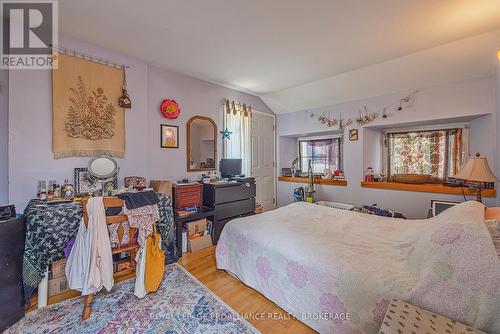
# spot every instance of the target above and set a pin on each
(142, 212)
(90, 262)
(378, 211)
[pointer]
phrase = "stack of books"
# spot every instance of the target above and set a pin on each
(187, 212)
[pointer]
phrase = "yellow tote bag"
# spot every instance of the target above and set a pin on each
(155, 262)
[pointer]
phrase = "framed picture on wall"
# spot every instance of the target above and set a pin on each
(169, 136)
(353, 134)
(83, 185)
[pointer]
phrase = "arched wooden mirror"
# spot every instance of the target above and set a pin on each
(201, 144)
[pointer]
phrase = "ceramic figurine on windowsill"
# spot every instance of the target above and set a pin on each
(295, 167)
(338, 175)
(327, 174)
(369, 175)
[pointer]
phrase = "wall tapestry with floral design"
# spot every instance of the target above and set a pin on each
(86, 118)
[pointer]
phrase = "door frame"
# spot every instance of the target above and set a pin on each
(275, 165)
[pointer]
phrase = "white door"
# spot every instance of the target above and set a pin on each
(263, 157)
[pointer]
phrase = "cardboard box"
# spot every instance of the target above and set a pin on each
(58, 269)
(200, 243)
(196, 227)
(162, 187)
(57, 286)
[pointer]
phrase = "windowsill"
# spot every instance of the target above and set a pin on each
(427, 188)
(340, 183)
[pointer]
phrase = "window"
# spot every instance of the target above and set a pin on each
(324, 153)
(439, 152)
(239, 146)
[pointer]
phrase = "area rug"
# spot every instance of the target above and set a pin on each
(181, 305)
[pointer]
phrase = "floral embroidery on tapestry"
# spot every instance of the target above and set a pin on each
(91, 115)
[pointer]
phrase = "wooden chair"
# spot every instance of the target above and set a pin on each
(133, 246)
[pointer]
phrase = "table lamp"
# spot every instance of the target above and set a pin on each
(477, 170)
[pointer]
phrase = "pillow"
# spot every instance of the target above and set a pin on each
(402, 317)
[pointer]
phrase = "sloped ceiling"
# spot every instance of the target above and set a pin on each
(469, 58)
(299, 54)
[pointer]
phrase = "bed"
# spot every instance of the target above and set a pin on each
(337, 270)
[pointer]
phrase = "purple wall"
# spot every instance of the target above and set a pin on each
(195, 97)
(30, 112)
(471, 100)
(4, 136)
(496, 135)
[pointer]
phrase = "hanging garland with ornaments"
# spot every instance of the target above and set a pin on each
(341, 123)
(365, 116)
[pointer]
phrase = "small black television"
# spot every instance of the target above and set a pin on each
(230, 167)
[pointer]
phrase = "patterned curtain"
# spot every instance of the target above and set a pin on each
(325, 154)
(436, 152)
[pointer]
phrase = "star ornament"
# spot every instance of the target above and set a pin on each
(225, 134)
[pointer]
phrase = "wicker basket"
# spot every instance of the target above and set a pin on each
(412, 178)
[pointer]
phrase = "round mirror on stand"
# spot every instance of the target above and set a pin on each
(103, 170)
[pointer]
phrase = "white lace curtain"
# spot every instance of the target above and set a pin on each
(238, 146)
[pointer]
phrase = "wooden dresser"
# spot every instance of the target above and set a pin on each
(186, 195)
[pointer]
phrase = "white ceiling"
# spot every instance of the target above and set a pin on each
(473, 57)
(297, 54)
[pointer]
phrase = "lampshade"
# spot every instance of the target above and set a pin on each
(477, 170)
(498, 55)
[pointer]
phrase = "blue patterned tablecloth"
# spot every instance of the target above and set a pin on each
(49, 227)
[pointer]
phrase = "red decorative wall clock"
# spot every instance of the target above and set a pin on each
(170, 109)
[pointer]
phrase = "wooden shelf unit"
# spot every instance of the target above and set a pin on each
(124, 248)
(427, 188)
(340, 183)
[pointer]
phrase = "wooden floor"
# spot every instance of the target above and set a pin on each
(243, 299)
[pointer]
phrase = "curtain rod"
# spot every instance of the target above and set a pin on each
(86, 56)
(227, 102)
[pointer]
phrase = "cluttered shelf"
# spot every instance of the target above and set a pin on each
(340, 183)
(428, 188)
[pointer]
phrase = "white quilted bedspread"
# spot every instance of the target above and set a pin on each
(337, 270)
